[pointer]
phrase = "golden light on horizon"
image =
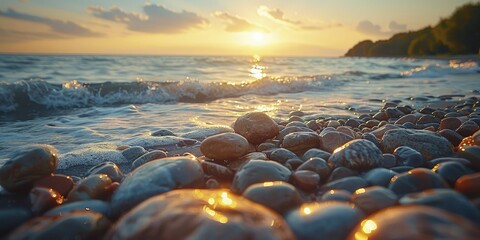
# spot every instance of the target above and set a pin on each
(256, 39)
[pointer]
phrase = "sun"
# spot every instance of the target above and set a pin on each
(257, 38)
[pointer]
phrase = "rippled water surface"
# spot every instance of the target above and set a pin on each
(71, 101)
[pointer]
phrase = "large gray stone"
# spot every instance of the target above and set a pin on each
(156, 177)
(429, 144)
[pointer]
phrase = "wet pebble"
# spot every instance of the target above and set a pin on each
(451, 171)
(133, 153)
(306, 179)
(389, 160)
(224, 146)
(350, 184)
(98, 186)
(357, 154)
(373, 199)
(147, 157)
(93, 205)
(76, 225)
(411, 118)
(428, 144)
(258, 171)
(453, 137)
(312, 220)
(379, 177)
(282, 155)
(317, 165)
(472, 154)
(332, 140)
(469, 185)
(60, 183)
(444, 199)
(408, 156)
(12, 218)
(341, 172)
(378, 133)
(315, 152)
(200, 214)
(416, 180)
(256, 127)
(43, 199)
(154, 178)
(451, 123)
(217, 170)
(163, 132)
(467, 128)
(110, 169)
(278, 196)
(402, 222)
(300, 142)
(27, 166)
(336, 195)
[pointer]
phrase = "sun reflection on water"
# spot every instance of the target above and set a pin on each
(257, 71)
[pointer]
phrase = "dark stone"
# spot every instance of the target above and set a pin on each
(401, 169)
(256, 127)
(409, 157)
(469, 185)
(60, 183)
(350, 184)
(453, 137)
(330, 220)
(416, 180)
(472, 154)
(278, 196)
(389, 160)
(306, 179)
(12, 218)
(451, 171)
(259, 171)
(336, 195)
(133, 153)
(110, 169)
(94, 205)
(358, 154)
(163, 132)
(415, 223)
(224, 146)
(379, 177)
(373, 199)
(317, 165)
(341, 172)
(98, 186)
(314, 152)
(281, 155)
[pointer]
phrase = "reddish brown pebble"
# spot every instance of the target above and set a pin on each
(305, 179)
(300, 142)
(60, 183)
(332, 140)
(451, 123)
(97, 186)
(224, 146)
(453, 137)
(43, 199)
(256, 127)
(411, 118)
(469, 185)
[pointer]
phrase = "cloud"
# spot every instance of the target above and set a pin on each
(12, 36)
(58, 26)
(278, 15)
(237, 24)
(156, 19)
(370, 28)
(396, 27)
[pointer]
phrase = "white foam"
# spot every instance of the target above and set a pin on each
(90, 157)
(201, 133)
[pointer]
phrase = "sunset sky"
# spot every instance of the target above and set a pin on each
(209, 27)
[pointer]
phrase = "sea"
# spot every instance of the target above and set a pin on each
(88, 105)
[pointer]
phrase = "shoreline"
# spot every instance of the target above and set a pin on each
(364, 161)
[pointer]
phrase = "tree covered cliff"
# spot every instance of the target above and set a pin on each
(457, 35)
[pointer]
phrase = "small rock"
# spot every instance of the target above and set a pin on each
(12, 218)
(76, 225)
(300, 142)
(350, 184)
(224, 146)
(256, 127)
(472, 154)
(469, 185)
(453, 137)
(411, 118)
(341, 172)
(306, 179)
(332, 140)
(451, 123)
(258, 171)
(467, 128)
(93, 205)
(389, 160)
(373, 199)
(416, 180)
(379, 177)
(43, 199)
(408, 156)
(425, 119)
(97, 186)
(314, 152)
(357, 154)
(21, 171)
(402, 222)
(428, 144)
(278, 196)
(317, 165)
(378, 133)
(336, 195)
(282, 155)
(133, 153)
(352, 123)
(217, 170)
(444, 199)
(147, 157)
(333, 123)
(163, 132)
(330, 220)
(60, 183)
(451, 171)
(110, 169)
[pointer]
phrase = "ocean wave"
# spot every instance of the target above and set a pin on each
(39, 94)
(454, 67)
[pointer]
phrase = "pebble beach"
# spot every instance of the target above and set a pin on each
(398, 172)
